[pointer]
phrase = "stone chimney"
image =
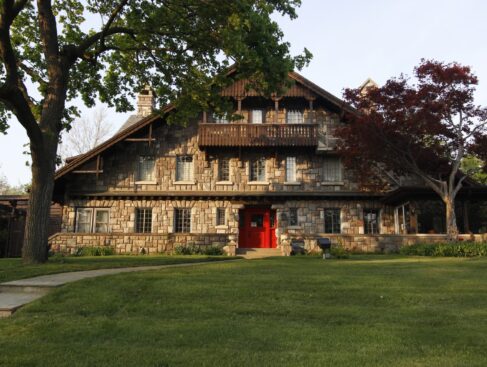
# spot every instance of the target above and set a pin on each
(367, 85)
(146, 102)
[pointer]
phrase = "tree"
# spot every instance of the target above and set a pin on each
(85, 134)
(473, 167)
(422, 128)
(181, 48)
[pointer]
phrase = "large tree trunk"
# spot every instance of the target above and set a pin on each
(35, 248)
(451, 219)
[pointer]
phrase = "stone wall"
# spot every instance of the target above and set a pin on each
(132, 243)
(122, 215)
(120, 165)
(381, 243)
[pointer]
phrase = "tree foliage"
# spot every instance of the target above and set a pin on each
(421, 127)
(53, 51)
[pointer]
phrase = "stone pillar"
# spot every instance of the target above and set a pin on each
(231, 248)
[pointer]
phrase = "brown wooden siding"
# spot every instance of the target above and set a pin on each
(238, 89)
(257, 135)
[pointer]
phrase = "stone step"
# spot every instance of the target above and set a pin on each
(8, 288)
(256, 253)
(11, 301)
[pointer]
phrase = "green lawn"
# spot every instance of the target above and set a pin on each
(12, 269)
(300, 311)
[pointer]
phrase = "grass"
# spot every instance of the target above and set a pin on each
(12, 269)
(300, 311)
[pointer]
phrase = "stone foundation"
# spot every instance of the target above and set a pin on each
(380, 243)
(68, 243)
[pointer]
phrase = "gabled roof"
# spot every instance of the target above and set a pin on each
(121, 135)
(135, 123)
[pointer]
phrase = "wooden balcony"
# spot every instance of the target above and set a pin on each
(258, 135)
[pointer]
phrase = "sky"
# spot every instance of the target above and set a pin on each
(351, 40)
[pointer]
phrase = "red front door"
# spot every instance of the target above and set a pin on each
(257, 228)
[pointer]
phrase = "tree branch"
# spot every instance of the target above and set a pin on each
(13, 92)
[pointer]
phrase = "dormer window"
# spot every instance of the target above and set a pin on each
(257, 116)
(294, 117)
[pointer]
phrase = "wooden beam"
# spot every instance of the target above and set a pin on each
(97, 166)
(88, 171)
(150, 135)
(140, 139)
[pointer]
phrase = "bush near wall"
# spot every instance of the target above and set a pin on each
(453, 249)
(209, 250)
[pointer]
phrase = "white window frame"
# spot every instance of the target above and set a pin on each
(175, 224)
(334, 180)
(224, 211)
(291, 170)
(294, 111)
(92, 222)
(339, 216)
(250, 170)
(378, 228)
(190, 170)
(262, 119)
(151, 220)
(219, 170)
(140, 179)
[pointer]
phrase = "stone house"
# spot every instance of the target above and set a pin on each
(272, 177)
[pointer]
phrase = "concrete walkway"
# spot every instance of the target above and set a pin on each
(16, 293)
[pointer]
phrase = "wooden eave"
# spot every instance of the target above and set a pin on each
(406, 193)
(228, 194)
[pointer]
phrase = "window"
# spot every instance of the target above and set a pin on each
(220, 216)
(293, 216)
(224, 169)
(371, 221)
(332, 221)
(182, 220)
(294, 117)
(86, 222)
(101, 220)
(332, 169)
(184, 168)
(143, 220)
(257, 116)
(220, 119)
(84, 218)
(291, 169)
(257, 170)
(145, 170)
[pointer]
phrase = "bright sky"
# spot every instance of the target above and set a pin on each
(351, 40)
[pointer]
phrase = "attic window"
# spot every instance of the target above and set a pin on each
(145, 170)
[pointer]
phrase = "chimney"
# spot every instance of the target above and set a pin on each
(146, 102)
(367, 85)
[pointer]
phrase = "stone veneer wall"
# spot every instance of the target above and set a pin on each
(382, 243)
(133, 243)
(120, 166)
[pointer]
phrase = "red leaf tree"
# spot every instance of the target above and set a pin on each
(421, 127)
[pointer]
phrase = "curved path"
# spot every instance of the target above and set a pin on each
(16, 293)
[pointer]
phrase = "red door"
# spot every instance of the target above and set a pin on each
(257, 228)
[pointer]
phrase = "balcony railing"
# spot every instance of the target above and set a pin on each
(258, 135)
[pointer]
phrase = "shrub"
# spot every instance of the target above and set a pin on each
(94, 251)
(447, 249)
(212, 250)
(339, 252)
